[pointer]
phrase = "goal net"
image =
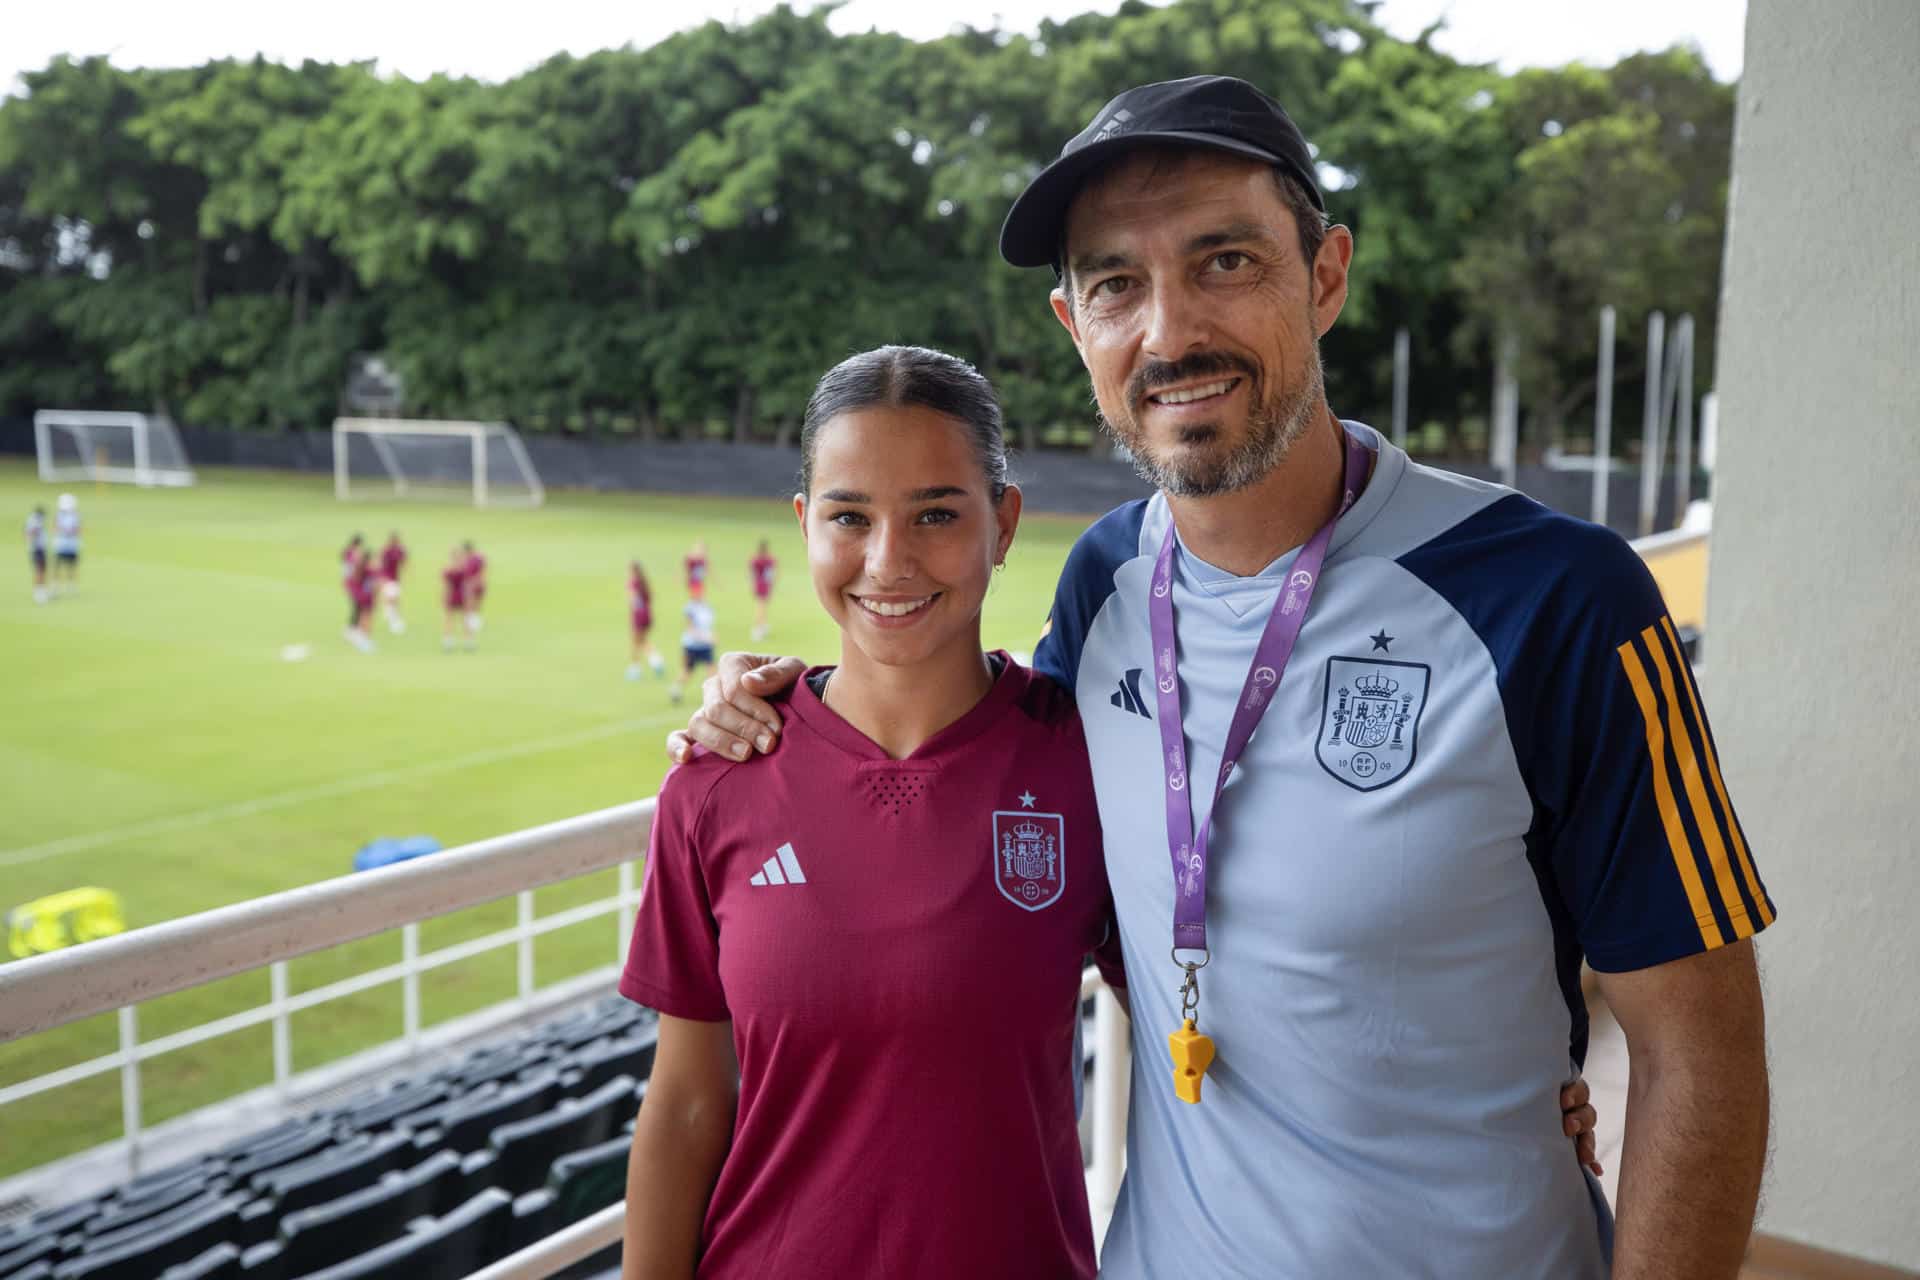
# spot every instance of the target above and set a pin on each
(483, 462)
(135, 448)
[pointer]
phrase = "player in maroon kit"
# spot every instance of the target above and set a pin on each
(476, 570)
(393, 558)
(697, 570)
(760, 569)
(884, 923)
(361, 580)
(453, 599)
(640, 611)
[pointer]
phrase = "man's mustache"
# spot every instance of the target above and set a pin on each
(1200, 364)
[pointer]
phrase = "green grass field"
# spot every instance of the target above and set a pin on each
(154, 741)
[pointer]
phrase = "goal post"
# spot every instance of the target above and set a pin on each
(130, 448)
(485, 462)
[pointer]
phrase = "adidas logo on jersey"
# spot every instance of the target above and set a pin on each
(782, 868)
(1128, 697)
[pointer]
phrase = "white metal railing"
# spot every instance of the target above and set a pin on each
(117, 973)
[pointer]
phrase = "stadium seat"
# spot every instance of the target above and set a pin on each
(467, 1122)
(381, 1111)
(630, 1055)
(143, 1253)
(499, 1065)
(312, 1239)
(58, 1221)
(300, 1144)
(450, 1248)
(222, 1262)
(533, 1219)
(25, 1253)
(585, 1182)
(126, 1212)
(38, 1271)
(527, 1148)
(332, 1173)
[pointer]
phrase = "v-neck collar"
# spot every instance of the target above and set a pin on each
(828, 723)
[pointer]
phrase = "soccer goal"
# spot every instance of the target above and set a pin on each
(483, 461)
(134, 448)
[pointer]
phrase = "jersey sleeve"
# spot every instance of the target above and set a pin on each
(673, 959)
(1633, 819)
(1085, 584)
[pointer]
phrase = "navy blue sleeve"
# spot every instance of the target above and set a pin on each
(1085, 584)
(1635, 842)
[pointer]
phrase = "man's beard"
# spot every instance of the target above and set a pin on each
(1274, 423)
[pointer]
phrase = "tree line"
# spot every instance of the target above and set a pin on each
(677, 240)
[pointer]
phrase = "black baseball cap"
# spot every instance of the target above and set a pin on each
(1217, 112)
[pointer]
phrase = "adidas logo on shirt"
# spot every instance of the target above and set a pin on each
(781, 868)
(1128, 698)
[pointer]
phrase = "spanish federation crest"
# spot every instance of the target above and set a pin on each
(1370, 720)
(1029, 857)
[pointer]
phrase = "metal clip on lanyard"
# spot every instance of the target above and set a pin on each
(1193, 1052)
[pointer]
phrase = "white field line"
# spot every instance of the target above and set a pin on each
(323, 791)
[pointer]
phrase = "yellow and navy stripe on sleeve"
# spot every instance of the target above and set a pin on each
(1702, 833)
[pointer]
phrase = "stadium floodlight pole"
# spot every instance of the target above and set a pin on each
(1402, 371)
(1603, 419)
(1651, 445)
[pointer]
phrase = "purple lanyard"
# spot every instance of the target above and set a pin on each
(1188, 847)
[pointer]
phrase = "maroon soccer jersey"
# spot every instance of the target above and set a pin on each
(898, 944)
(393, 558)
(454, 591)
(761, 568)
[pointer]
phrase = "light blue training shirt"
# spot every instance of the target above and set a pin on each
(1486, 760)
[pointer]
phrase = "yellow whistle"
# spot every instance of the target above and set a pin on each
(1192, 1055)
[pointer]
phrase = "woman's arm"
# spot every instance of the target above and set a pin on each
(679, 1142)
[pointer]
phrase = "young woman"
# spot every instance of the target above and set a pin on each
(867, 947)
(760, 570)
(696, 566)
(640, 610)
(696, 643)
(453, 601)
(361, 580)
(37, 552)
(393, 558)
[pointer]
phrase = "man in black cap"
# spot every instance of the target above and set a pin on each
(1480, 758)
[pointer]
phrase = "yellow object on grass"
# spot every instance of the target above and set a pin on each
(63, 919)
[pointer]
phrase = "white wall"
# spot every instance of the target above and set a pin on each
(1813, 661)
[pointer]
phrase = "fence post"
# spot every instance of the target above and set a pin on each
(1652, 421)
(130, 1086)
(624, 916)
(1112, 1067)
(1603, 419)
(410, 986)
(1402, 375)
(525, 898)
(282, 1029)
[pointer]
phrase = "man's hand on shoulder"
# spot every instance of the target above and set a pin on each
(734, 716)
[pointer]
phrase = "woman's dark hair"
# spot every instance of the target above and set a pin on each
(891, 377)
